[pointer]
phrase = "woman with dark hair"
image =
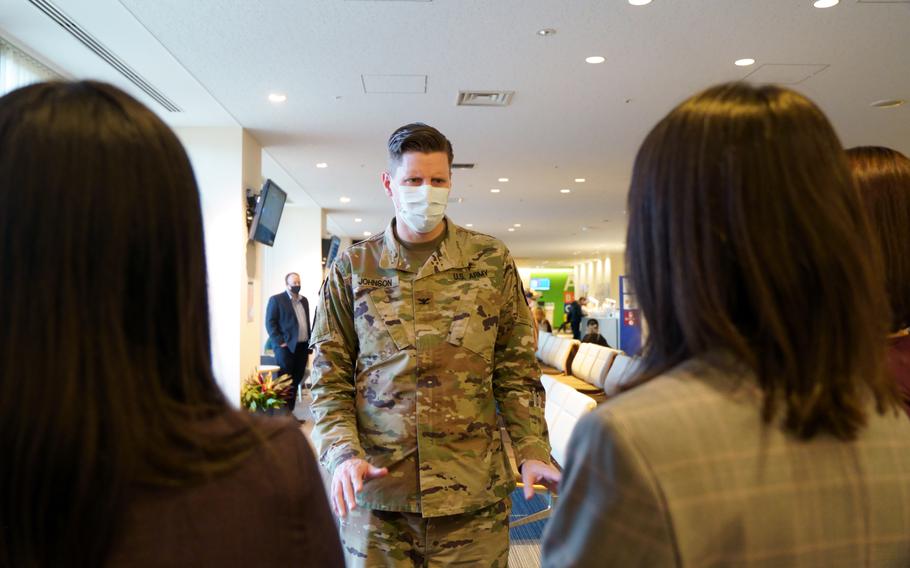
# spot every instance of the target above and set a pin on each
(883, 177)
(762, 430)
(118, 446)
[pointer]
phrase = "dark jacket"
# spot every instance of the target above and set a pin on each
(270, 511)
(595, 338)
(281, 320)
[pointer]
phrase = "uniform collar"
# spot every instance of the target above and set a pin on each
(450, 254)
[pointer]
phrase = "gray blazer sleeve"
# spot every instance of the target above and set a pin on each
(610, 512)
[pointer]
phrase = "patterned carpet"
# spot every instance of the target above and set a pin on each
(524, 549)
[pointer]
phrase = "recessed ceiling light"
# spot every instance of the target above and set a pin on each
(888, 103)
(580, 180)
(494, 190)
(511, 229)
(546, 32)
(344, 199)
(322, 165)
(277, 97)
(503, 180)
(825, 3)
(469, 224)
(639, 2)
(357, 219)
(517, 225)
(367, 234)
(744, 62)
(595, 59)
(565, 191)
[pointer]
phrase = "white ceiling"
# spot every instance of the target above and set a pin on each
(220, 59)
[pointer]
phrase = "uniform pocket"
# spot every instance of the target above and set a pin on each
(388, 304)
(475, 324)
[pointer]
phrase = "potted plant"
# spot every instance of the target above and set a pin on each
(264, 394)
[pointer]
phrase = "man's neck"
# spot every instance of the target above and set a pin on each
(292, 295)
(408, 235)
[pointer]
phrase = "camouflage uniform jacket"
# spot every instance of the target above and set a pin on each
(412, 365)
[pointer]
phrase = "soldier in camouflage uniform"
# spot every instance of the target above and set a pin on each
(423, 336)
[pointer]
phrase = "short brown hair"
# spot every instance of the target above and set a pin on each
(746, 236)
(883, 178)
(418, 137)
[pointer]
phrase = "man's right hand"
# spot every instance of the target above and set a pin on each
(348, 481)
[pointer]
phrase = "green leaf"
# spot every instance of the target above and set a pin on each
(270, 402)
(253, 406)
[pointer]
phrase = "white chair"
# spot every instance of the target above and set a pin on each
(621, 372)
(564, 407)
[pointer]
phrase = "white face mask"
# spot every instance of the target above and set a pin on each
(422, 208)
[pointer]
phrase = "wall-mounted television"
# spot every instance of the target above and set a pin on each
(268, 213)
(540, 284)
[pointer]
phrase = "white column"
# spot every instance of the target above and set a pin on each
(225, 161)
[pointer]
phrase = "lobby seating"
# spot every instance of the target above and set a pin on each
(596, 371)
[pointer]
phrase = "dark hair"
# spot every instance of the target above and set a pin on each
(883, 178)
(592, 322)
(105, 375)
(418, 137)
(746, 236)
(288, 275)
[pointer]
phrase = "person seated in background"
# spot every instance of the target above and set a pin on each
(761, 428)
(541, 318)
(119, 449)
(883, 178)
(592, 334)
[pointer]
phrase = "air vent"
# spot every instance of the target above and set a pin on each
(54, 13)
(485, 98)
(462, 166)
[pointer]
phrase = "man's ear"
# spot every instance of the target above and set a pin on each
(386, 182)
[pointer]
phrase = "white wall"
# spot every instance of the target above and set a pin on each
(224, 160)
(251, 281)
(599, 277)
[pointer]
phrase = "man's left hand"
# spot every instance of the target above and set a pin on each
(535, 471)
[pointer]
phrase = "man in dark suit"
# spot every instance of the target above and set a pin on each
(287, 319)
(574, 315)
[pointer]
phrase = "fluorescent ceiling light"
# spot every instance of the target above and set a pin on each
(357, 219)
(595, 59)
(503, 180)
(322, 165)
(565, 191)
(580, 180)
(494, 190)
(745, 62)
(344, 199)
(825, 3)
(277, 97)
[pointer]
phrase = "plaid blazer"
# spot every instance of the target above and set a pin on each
(681, 471)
